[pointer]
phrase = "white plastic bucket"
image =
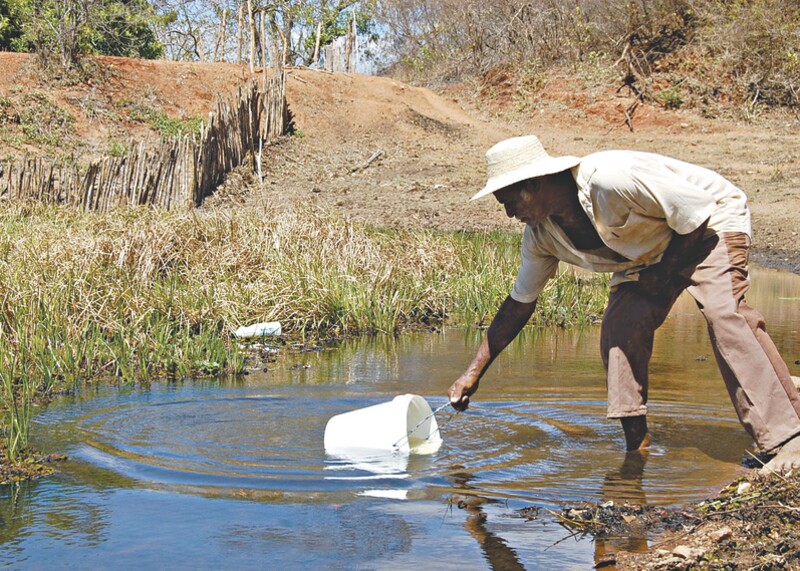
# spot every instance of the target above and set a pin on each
(405, 424)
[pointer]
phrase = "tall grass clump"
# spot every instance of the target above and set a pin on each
(17, 392)
(136, 294)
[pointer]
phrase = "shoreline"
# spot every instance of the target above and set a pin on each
(776, 259)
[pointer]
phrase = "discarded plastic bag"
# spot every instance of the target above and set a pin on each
(272, 328)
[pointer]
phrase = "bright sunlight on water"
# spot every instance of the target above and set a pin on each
(206, 473)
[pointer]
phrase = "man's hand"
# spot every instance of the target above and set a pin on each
(510, 319)
(461, 390)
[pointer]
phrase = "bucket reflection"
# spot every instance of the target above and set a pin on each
(366, 464)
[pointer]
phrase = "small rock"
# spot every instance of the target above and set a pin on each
(743, 487)
(721, 534)
(671, 562)
(686, 552)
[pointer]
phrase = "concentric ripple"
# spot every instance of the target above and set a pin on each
(557, 448)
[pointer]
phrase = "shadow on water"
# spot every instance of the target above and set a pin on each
(219, 473)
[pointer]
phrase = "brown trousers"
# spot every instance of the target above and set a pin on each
(757, 379)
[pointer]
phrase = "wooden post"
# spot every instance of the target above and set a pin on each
(252, 24)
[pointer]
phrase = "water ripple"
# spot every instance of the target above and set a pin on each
(557, 448)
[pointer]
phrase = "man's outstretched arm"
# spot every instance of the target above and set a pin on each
(509, 321)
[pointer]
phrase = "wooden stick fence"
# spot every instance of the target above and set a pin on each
(179, 173)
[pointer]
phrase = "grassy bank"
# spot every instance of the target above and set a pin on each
(137, 294)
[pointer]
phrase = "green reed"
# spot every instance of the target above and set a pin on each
(16, 396)
(138, 294)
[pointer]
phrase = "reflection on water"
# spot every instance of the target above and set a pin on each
(220, 473)
(621, 486)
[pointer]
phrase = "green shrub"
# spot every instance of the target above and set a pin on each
(670, 98)
(43, 122)
(159, 121)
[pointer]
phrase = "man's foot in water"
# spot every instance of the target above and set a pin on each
(786, 460)
(636, 435)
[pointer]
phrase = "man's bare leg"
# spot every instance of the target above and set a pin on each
(636, 435)
(786, 460)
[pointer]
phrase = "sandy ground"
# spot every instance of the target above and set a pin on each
(431, 152)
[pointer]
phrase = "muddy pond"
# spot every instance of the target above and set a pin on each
(205, 474)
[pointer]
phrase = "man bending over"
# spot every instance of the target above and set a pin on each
(661, 226)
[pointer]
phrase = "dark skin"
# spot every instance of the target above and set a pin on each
(556, 197)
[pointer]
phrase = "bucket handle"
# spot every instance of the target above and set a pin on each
(396, 445)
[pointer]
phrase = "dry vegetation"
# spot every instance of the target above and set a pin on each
(723, 57)
(754, 524)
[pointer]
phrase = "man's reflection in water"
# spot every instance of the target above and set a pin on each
(497, 552)
(623, 486)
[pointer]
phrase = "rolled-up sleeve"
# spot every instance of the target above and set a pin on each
(535, 269)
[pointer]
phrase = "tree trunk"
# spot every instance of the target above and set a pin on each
(239, 34)
(264, 46)
(219, 49)
(252, 23)
(348, 47)
(315, 61)
(355, 44)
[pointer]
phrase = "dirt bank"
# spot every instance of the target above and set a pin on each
(387, 153)
(432, 152)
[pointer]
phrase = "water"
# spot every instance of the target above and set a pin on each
(207, 473)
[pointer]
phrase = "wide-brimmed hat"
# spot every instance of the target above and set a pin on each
(520, 158)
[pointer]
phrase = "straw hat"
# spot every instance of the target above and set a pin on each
(520, 158)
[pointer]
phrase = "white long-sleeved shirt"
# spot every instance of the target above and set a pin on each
(636, 202)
